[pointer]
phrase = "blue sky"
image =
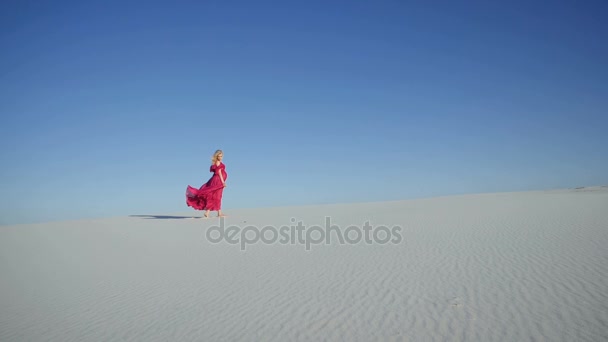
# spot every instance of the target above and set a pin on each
(109, 108)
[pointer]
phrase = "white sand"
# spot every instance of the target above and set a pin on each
(530, 266)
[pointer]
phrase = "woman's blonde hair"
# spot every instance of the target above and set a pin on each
(214, 158)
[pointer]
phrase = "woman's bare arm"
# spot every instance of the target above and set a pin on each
(219, 171)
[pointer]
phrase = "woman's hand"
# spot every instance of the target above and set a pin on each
(225, 185)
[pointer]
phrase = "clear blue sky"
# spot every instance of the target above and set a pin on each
(113, 107)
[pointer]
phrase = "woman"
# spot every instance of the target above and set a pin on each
(209, 196)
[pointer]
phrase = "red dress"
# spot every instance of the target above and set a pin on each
(208, 196)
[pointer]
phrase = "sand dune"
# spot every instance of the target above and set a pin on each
(527, 266)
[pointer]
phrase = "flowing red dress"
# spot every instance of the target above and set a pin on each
(209, 195)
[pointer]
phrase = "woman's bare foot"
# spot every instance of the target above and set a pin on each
(206, 215)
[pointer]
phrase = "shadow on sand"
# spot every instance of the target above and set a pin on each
(164, 217)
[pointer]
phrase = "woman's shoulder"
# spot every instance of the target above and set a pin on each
(217, 166)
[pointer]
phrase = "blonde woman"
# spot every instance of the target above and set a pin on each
(209, 196)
